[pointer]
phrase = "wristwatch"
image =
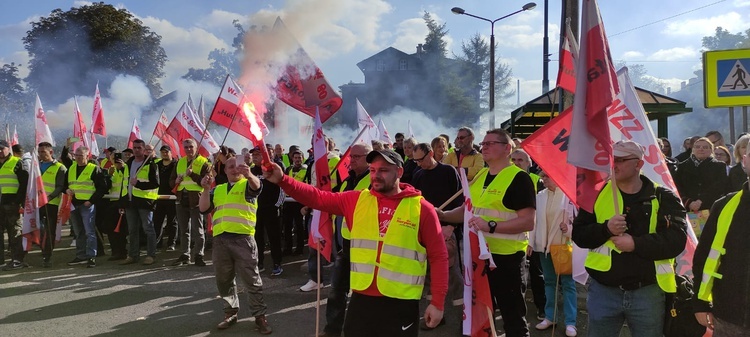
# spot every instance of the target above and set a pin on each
(492, 225)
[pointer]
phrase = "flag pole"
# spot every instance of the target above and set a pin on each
(335, 168)
(613, 181)
(212, 115)
(317, 302)
(236, 111)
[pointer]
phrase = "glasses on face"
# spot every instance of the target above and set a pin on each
(461, 137)
(701, 147)
(357, 156)
(622, 160)
(721, 154)
(491, 142)
(419, 160)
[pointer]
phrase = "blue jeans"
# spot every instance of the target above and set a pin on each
(138, 218)
(83, 220)
(609, 307)
(570, 301)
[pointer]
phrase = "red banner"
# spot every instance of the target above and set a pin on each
(97, 116)
(321, 230)
(566, 76)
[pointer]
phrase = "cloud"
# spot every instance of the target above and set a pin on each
(220, 23)
(673, 54)
(732, 21)
(632, 55)
(524, 36)
(741, 3)
(410, 33)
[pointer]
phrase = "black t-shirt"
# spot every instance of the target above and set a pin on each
(438, 185)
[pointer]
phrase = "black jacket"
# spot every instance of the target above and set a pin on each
(731, 293)
(638, 265)
(706, 182)
(737, 177)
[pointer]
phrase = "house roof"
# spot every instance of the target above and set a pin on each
(389, 52)
(534, 114)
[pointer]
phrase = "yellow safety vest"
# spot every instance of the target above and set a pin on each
(403, 260)
(711, 268)
(83, 186)
(187, 183)
(232, 213)
(49, 178)
(285, 160)
(535, 180)
(8, 178)
(600, 259)
(119, 181)
(142, 175)
(363, 184)
(104, 162)
(300, 175)
(488, 205)
(332, 165)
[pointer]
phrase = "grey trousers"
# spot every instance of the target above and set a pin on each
(233, 255)
(190, 221)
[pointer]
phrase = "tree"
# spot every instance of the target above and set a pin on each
(476, 53)
(223, 61)
(639, 76)
(71, 50)
(12, 95)
(435, 44)
(723, 39)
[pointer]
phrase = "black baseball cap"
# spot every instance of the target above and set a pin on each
(389, 155)
(166, 148)
(3, 144)
(111, 149)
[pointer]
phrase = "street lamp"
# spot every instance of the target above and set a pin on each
(461, 11)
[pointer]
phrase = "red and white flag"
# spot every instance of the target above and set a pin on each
(94, 149)
(14, 139)
(79, 128)
(364, 121)
(202, 111)
(229, 112)
(35, 198)
(596, 88)
(63, 215)
(97, 116)
(135, 133)
(41, 128)
(478, 318)
(566, 75)
(384, 136)
(160, 129)
(310, 93)
(185, 125)
(160, 132)
(321, 230)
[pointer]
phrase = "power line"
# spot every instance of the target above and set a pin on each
(667, 18)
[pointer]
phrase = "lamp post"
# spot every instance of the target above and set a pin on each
(461, 11)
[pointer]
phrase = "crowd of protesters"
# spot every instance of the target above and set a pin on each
(152, 201)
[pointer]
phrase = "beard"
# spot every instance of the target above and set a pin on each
(384, 187)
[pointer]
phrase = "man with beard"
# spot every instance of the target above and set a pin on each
(465, 157)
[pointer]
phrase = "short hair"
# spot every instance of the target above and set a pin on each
(714, 133)
(127, 151)
(399, 134)
(467, 130)
(523, 152)
(17, 148)
(377, 145)
(424, 147)
(45, 145)
(743, 141)
(367, 147)
(139, 141)
(411, 141)
(437, 139)
(83, 148)
(189, 140)
(502, 133)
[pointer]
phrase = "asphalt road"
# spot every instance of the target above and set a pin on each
(162, 300)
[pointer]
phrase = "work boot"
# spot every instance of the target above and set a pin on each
(183, 259)
(262, 325)
(229, 319)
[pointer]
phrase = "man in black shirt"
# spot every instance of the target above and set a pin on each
(630, 258)
(165, 208)
(438, 183)
(269, 217)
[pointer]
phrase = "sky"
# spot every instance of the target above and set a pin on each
(664, 36)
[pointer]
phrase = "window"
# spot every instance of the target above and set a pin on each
(381, 65)
(402, 64)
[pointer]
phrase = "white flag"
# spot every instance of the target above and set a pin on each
(364, 121)
(35, 198)
(94, 145)
(41, 128)
(384, 136)
(135, 133)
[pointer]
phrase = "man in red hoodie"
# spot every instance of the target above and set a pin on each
(394, 232)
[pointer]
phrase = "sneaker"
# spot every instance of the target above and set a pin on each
(73, 243)
(261, 323)
(91, 263)
(229, 319)
(171, 248)
(545, 324)
(540, 316)
(199, 261)
(261, 268)
(423, 325)
(148, 261)
(310, 286)
(128, 260)
(183, 259)
(571, 331)
(77, 261)
(277, 270)
(13, 265)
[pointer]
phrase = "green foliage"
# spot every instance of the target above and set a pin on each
(71, 50)
(723, 39)
(476, 54)
(223, 61)
(639, 76)
(435, 45)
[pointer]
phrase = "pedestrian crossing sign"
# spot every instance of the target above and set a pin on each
(726, 80)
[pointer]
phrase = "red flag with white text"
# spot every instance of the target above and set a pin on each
(14, 139)
(596, 88)
(35, 198)
(303, 85)
(321, 230)
(186, 125)
(229, 113)
(79, 128)
(97, 116)
(41, 128)
(566, 75)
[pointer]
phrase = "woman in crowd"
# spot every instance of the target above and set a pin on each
(439, 148)
(701, 179)
(737, 175)
(721, 154)
(554, 215)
